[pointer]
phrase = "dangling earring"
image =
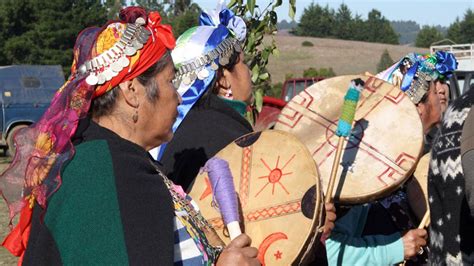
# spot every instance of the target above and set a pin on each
(228, 93)
(135, 116)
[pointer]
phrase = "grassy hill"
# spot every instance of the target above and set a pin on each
(345, 57)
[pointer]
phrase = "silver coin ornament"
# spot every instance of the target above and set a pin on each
(124, 61)
(129, 50)
(203, 73)
(116, 66)
(101, 79)
(187, 80)
(214, 66)
(92, 79)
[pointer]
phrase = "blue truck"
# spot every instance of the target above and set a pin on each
(25, 94)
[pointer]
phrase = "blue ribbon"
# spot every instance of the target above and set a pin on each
(446, 63)
(408, 78)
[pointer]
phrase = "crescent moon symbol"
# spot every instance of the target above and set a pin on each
(266, 243)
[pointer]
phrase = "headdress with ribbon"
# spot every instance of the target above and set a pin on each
(103, 58)
(414, 72)
(199, 53)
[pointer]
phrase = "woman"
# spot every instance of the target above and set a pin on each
(106, 201)
(215, 94)
(216, 88)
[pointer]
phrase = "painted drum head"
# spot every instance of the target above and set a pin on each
(384, 146)
(279, 196)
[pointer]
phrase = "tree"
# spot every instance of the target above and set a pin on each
(454, 31)
(113, 8)
(385, 61)
(343, 27)
(378, 29)
(46, 32)
(316, 21)
(427, 36)
(467, 27)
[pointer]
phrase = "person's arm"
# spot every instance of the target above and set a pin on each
(343, 249)
(346, 246)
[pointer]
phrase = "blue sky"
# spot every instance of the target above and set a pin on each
(424, 12)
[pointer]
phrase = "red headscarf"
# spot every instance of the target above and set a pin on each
(34, 174)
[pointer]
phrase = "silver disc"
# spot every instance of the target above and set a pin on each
(186, 80)
(92, 79)
(137, 45)
(214, 66)
(129, 50)
(108, 74)
(123, 61)
(101, 79)
(203, 73)
(116, 66)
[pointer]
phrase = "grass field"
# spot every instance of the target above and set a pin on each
(5, 257)
(345, 57)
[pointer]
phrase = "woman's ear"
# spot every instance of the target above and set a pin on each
(129, 93)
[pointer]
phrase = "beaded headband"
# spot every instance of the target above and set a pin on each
(108, 64)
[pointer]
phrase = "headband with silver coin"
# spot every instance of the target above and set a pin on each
(197, 68)
(108, 64)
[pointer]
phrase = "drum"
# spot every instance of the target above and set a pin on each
(384, 146)
(417, 188)
(279, 196)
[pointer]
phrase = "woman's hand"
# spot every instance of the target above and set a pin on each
(330, 219)
(413, 241)
(239, 252)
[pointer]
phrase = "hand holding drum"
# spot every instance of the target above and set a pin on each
(223, 190)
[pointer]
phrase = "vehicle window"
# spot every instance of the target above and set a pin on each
(471, 83)
(289, 91)
(309, 83)
(30, 82)
(299, 87)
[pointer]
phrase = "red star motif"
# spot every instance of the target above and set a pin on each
(278, 255)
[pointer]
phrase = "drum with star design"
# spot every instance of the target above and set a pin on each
(385, 143)
(279, 195)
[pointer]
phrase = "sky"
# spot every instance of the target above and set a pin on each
(424, 12)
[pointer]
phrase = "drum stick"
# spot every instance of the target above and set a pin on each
(425, 222)
(344, 129)
(223, 190)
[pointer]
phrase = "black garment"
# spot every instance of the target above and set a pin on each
(452, 226)
(110, 194)
(208, 127)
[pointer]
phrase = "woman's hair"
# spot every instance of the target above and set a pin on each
(104, 104)
(213, 89)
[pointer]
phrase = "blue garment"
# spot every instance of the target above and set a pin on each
(347, 246)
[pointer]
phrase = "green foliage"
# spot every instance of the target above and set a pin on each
(322, 72)
(113, 8)
(260, 22)
(427, 36)
(324, 22)
(454, 31)
(385, 61)
(467, 27)
(44, 32)
(307, 44)
(316, 21)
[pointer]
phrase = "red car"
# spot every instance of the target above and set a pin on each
(272, 106)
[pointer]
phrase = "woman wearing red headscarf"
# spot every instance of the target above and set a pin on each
(82, 179)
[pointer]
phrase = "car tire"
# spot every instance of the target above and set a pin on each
(11, 145)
